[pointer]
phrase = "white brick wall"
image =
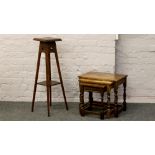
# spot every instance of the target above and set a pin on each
(77, 53)
(135, 56)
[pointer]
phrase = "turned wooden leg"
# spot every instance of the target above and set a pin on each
(102, 115)
(102, 102)
(36, 79)
(102, 98)
(108, 102)
(48, 80)
(61, 81)
(116, 101)
(124, 95)
(81, 105)
(90, 100)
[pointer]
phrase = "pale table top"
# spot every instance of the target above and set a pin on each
(102, 76)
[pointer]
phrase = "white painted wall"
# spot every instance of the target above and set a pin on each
(135, 56)
(77, 53)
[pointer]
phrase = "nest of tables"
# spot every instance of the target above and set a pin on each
(102, 83)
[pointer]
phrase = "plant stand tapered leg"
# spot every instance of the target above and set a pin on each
(36, 79)
(48, 85)
(50, 88)
(60, 76)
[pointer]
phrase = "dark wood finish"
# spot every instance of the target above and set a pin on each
(47, 39)
(116, 100)
(102, 97)
(36, 78)
(108, 101)
(90, 99)
(60, 76)
(47, 81)
(48, 46)
(124, 95)
(51, 82)
(88, 108)
(81, 105)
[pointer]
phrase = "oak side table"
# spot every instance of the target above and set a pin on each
(102, 82)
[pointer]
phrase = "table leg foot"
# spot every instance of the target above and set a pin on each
(124, 95)
(82, 112)
(102, 115)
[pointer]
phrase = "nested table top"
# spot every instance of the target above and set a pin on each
(100, 76)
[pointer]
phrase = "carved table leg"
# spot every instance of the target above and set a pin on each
(116, 100)
(102, 102)
(108, 102)
(124, 94)
(102, 98)
(81, 105)
(90, 100)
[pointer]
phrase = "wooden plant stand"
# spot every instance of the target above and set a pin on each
(48, 46)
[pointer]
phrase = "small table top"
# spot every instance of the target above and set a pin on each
(100, 76)
(47, 39)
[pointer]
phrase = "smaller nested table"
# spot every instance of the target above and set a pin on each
(101, 83)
